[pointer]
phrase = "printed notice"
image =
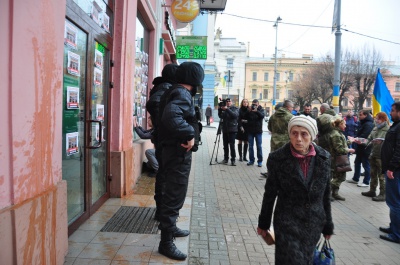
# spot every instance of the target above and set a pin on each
(73, 65)
(70, 36)
(100, 112)
(72, 144)
(72, 97)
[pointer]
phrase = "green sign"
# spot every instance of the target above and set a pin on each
(191, 47)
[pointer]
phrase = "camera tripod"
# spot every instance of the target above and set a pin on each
(217, 139)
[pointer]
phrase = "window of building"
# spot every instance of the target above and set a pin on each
(345, 102)
(254, 93)
(290, 94)
(265, 94)
(397, 88)
(254, 76)
(229, 63)
(278, 94)
(278, 77)
(291, 77)
(369, 102)
(265, 76)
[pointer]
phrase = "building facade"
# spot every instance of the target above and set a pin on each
(260, 78)
(76, 74)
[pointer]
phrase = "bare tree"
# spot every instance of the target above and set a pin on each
(363, 65)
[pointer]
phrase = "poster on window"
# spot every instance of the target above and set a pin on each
(98, 77)
(140, 122)
(143, 113)
(100, 112)
(106, 22)
(72, 143)
(72, 97)
(73, 64)
(95, 13)
(98, 59)
(70, 35)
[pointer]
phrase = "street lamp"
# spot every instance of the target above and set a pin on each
(276, 55)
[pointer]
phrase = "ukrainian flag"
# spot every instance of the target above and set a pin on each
(223, 81)
(381, 98)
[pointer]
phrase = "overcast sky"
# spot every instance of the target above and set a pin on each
(376, 18)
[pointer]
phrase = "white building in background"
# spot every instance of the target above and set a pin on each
(230, 57)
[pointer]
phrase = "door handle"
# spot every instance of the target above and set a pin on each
(100, 135)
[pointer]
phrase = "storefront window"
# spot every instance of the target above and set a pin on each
(141, 75)
(99, 11)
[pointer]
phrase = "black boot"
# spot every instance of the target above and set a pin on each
(181, 233)
(168, 248)
(245, 148)
(240, 152)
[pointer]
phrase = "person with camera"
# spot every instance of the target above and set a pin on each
(229, 121)
(178, 133)
(242, 136)
(254, 120)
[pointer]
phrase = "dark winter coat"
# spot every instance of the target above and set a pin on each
(364, 129)
(229, 119)
(278, 126)
(176, 115)
(390, 153)
(255, 120)
(242, 135)
(351, 126)
(208, 112)
(303, 208)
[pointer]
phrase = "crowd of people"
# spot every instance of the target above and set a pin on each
(302, 176)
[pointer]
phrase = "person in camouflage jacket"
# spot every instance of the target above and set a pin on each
(278, 125)
(333, 140)
(379, 131)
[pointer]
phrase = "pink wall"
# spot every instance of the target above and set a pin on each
(34, 94)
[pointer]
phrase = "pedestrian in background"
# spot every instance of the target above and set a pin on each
(208, 114)
(296, 110)
(379, 131)
(299, 176)
(351, 126)
(334, 141)
(177, 135)
(362, 150)
(390, 155)
(229, 115)
(241, 136)
(278, 124)
(255, 118)
(306, 111)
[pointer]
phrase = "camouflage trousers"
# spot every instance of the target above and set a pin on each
(337, 179)
(376, 175)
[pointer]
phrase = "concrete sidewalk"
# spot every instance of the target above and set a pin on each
(221, 209)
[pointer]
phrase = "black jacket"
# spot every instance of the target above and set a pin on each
(229, 119)
(364, 129)
(255, 120)
(176, 114)
(390, 152)
(303, 207)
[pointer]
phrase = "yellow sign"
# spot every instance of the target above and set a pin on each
(185, 10)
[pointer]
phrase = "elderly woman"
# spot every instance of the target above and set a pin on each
(299, 175)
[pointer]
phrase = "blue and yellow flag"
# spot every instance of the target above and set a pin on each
(381, 98)
(223, 81)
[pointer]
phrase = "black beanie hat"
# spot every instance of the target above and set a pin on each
(189, 73)
(168, 72)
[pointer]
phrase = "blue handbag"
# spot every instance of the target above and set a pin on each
(324, 255)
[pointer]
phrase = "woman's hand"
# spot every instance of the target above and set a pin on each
(327, 237)
(262, 232)
(352, 151)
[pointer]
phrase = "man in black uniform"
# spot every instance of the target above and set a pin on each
(229, 116)
(161, 84)
(178, 129)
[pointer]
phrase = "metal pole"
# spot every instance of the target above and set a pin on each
(276, 55)
(229, 80)
(336, 79)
